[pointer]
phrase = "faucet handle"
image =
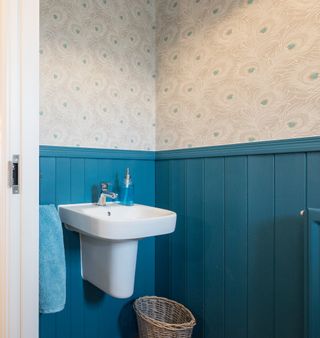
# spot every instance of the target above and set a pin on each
(104, 186)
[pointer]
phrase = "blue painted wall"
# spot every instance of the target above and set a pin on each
(71, 175)
(236, 258)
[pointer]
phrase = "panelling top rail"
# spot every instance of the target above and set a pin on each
(79, 152)
(308, 144)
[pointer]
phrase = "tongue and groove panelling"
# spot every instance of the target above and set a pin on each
(72, 175)
(236, 257)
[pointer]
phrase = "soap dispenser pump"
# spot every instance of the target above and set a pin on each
(126, 189)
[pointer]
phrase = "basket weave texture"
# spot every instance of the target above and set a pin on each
(160, 317)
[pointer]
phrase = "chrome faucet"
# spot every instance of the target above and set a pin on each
(106, 193)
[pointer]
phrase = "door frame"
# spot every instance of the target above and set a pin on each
(19, 134)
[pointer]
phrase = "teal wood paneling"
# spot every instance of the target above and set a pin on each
(68, 177)
(290, 198)
(163, 252)
(260, 246)
(240, 215)
(236, 257)
(91, 179)
(195, 240)
(47, 179)
(214, 247)
(236, 248)
(313, 180)
(77, 176)
(178, 238)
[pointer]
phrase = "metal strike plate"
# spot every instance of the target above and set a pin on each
(13, 170)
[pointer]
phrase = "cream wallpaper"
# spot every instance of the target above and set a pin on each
(236, 71)
(151, 74)
(97, 67)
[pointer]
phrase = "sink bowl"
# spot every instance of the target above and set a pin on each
(117, 222)
(109, 240)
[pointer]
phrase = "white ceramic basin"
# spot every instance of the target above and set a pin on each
(109, 240)
(118, 222)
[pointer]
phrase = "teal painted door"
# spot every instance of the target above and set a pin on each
(312, 273)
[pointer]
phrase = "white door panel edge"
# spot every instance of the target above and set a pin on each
(3, 186)
(29, 168)
(19, 87)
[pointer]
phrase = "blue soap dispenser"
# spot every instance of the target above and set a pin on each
(126, 189)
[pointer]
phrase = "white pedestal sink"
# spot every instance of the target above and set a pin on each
(109, 240)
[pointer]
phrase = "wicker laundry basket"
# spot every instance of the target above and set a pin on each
(163, 318)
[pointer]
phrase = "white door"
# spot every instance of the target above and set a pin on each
(19, 229)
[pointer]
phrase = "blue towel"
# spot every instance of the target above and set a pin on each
(52, 261)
